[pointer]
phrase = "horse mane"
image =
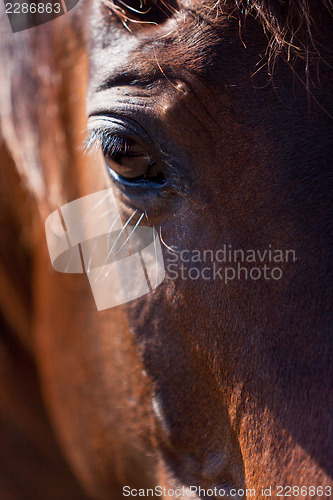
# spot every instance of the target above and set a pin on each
(294, 28)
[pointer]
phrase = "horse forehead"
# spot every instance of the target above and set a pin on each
(184, 42)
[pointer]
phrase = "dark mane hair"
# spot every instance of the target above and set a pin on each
(295, 29)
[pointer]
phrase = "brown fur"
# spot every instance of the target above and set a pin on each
(197, 383)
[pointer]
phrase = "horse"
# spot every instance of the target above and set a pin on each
(214, 120)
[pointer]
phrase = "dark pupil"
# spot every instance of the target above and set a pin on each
(134, 163)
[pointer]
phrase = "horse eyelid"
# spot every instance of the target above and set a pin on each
(110, 143)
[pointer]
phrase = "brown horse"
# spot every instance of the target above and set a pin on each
(214, 119)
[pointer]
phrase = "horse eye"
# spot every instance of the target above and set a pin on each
(131, 162)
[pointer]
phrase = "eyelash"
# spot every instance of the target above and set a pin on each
(110, 143)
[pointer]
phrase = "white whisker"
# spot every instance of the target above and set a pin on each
(91, 256)
(155, 250)
(120, 233)
(97, 204)
(110, 232)
(163, 242)
(134, 228)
